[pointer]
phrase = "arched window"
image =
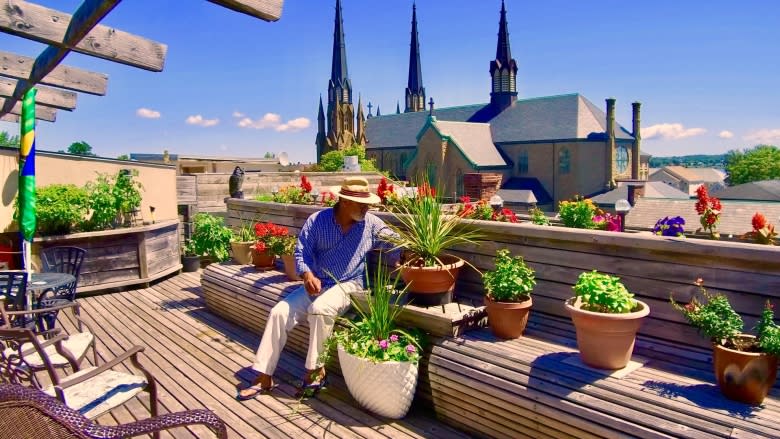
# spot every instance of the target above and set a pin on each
(505, 80)
(496, 81)
(621, 159)
(564, 158)
(522, 162)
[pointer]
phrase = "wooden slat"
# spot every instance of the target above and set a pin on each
(47, 114)
(52, 27)
(70, 78)
(47, 96)
(10, 118)
(268, 10)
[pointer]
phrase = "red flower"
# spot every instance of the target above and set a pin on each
(759, 221)
(305, 184)
(425, 190)
(260, 246)
(465, 199)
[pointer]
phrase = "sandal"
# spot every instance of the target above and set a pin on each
(257, 390)
(310, 390)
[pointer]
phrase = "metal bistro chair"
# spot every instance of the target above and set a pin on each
(65, 259)
(13, 292)
(31, 414)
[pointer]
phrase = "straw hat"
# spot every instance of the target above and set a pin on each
(356, 189)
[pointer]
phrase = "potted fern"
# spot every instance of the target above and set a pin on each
(379, 361)
(745, 365)
(425, 233)
(508, 297)
(606, 317)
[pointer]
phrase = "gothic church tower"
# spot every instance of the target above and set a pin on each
(341, 114)
(503, 69)
(415, 92)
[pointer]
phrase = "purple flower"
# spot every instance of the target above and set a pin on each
(410, 349)
(393, 338)
(383, 344)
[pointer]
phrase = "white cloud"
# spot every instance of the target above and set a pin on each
(147, 113)
(670, 131)
(238, 114)
(764, 136)
(294, 125)
(273, 120)
(199, 120)
(725, 134)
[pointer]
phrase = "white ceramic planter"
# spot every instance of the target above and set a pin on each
(386, 388)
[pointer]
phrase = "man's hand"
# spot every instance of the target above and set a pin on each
(312, 283)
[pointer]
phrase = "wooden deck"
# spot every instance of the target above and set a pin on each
(199, 358)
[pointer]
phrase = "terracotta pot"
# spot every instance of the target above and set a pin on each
(386, 388)
(744, 376)
(289, 267)
(432, 285)
(263, 260)
(508, 319)
(605, 341)
(242, 251)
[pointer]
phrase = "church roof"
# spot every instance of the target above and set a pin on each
(473, 139)
(653, 189)
(562, 117)
(766, 190)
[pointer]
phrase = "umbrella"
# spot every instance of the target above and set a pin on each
(27, 177)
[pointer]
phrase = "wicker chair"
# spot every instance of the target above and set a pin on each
(76, 346)
(27, 413)
(91, 391)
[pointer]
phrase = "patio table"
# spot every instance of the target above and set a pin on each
(42, 283)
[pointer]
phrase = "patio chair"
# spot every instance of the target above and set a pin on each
(27, 413)
(63, 259)
(91, 391)
(76, 346)
(13, 291)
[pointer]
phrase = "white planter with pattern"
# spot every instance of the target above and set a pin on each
(386, 388)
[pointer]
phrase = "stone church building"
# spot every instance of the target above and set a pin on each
(556, 146)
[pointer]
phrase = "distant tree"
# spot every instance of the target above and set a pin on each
(269, 155)
(123, 157)
(333, 161)
(762, 162)
(8, 140)
(80, 148)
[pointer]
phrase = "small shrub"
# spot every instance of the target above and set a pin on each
(538, 217)
(578, 213)
(60, 208)
(211, 237)
(601, 292)
(511, 281)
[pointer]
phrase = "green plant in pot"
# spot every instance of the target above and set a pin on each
(425, 233)
(606, 317)
(745, 365)
(508, 297)
(211, 237)
(242, 241)
(379, 360)
(283, 245)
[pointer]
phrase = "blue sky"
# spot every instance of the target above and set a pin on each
(707, 74)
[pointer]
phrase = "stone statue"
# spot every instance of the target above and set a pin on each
(235, 182)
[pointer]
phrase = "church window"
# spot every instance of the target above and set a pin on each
(621, 159)
(522, 162)
(346, 96)
(563, 161)
(496, 81)
(505, 80)
(512, 82)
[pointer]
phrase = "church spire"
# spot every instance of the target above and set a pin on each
(397, 107)
(360, 126)
(338, 73)
(321, 141)
(503, 69)
(415, 92)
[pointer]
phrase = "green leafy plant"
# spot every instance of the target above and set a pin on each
(373, 335)
(603, 293)
(511, 281)
(333, 161)
(60, 208)
(211, 237)
(425, 231)
(244, 233)
(127, 191)
(578, 213)
(102, 203)
(538, 217)
(282, 245)
(716, 319)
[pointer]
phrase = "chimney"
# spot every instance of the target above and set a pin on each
(635, 190)
(637, 132)
(610, 138)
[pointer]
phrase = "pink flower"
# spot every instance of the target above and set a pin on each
(383, 344)
(393, 338)
(410, 349)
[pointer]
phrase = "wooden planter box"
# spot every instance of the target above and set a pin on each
(121, 257)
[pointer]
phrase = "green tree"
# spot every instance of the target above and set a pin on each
(762, 162)
(269, 155)
(8, 140)
(333, 161)
(123, 157)
(80, 148)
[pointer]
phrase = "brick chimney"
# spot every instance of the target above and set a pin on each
(637, 133)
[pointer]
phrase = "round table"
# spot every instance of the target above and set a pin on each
(42, 283)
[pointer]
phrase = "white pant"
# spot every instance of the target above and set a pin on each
(321, 313)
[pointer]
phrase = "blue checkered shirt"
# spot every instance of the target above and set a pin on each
(328, 253)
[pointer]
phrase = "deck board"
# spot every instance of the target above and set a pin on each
(198, 359)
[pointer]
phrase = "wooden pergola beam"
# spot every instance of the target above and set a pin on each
(41, 112)
(50, 26)
(71, 78)
(10, 118)
(268, 10)
(50, 97)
